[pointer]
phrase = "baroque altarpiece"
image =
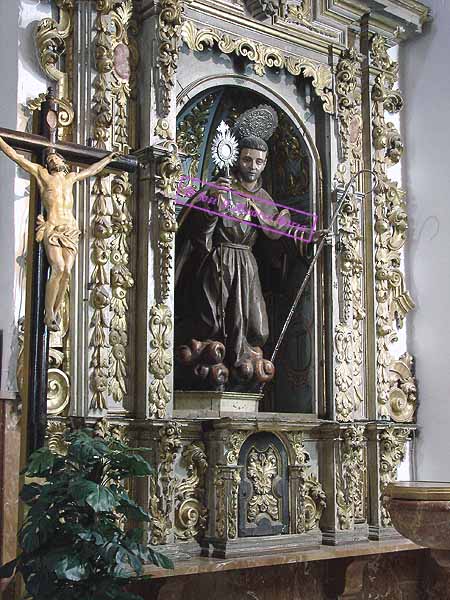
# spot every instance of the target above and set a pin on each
(307, 465)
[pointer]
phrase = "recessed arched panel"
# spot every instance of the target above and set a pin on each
(293, 179)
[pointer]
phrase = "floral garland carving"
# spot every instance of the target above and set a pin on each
(349, 331)
(169, 41)
(263, 57)
(391, 221)
(160, 359)
(100, 297)
(169, 172)
(101, 226)
(121, 282)
(233, 509)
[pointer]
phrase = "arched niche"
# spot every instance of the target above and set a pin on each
(294, 178)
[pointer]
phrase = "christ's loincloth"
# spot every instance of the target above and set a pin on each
(64, 236)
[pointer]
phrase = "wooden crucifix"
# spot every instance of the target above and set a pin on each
(53, 244)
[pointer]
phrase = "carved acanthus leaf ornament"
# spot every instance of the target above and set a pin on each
(56, 437)
(226, 484)
(403, 392)
(190, 511)
(52, 38)
(310, 498)
(351, 479)
(163, 484)
(191, 131)
(236, 439)
(392, 452)
(300, 12)
(262, 468)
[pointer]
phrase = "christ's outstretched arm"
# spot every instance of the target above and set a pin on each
(96, 168)
(27, 165)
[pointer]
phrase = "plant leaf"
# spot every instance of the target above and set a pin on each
(30, 492)
(85, 449)
(132, 464)
(102, 499)
(7, 570)
(70, 568)
(133, 511)
(40, 463)
(88, 535)
(159, 559)
(98, 497)
(37, 531)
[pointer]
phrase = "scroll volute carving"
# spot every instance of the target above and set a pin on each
(51, 39)
(403, 393)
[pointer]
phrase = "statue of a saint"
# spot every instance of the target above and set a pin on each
(221, 321)
(59, 232)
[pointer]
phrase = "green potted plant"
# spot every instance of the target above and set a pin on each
(73, 541)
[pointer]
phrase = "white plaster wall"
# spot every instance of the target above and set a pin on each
(425, 65)
(9, 34)
(20, 81)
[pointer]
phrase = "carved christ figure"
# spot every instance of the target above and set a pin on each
(221, 319)
(60, 232)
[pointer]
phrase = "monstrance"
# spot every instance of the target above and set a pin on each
(225, 150)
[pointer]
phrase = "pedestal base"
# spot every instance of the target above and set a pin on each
(332, 537)
(214, 404)
(257, 546)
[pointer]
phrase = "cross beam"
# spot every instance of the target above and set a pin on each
(29, 142)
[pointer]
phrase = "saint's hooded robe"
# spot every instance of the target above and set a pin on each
(218, 293)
